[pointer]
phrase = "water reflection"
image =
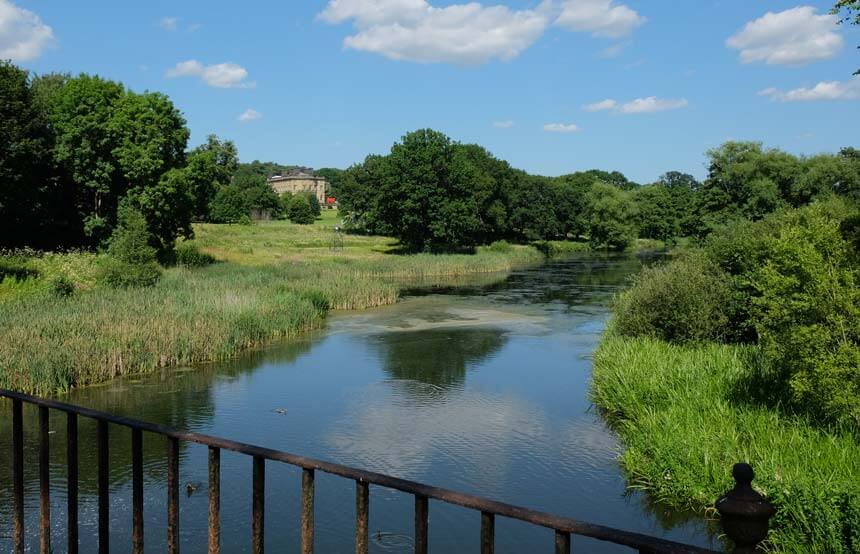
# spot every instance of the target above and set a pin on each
(437, 357)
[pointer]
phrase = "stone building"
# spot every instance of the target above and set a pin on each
(300, 180)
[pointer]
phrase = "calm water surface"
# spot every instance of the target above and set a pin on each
(482, 388)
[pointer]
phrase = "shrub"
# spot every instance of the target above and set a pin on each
(501, 246)
(806, 310)
(62, 287)
(687, 300)
(188, 255)
(300, 210)
(130, 260)
(314, 203)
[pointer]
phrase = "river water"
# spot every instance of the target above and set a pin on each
(481, 388)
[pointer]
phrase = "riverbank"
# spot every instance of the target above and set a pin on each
(273, 280)
(684, 416)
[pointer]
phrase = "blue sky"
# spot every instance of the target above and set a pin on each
(328, 82)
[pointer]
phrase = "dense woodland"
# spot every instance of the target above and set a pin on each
(435, 194)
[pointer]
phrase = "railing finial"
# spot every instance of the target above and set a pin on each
(744, 512)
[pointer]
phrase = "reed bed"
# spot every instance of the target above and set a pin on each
(50, 343)
(685, 416)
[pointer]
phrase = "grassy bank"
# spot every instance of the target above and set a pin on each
(682, 416)
(275, 280)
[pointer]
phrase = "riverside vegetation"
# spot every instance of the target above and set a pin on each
(277, 279)
(747, 348)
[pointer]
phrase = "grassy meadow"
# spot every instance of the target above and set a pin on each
(684, 415)
(272, 280)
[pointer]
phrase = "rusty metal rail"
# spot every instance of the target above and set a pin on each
(562, 527)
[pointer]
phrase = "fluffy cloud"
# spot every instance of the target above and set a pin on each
(640, 105)
(222, 75)
(414, 30)
(607, 104)
(169, 23)
(507, 124)
(250, 115)
(23, 35)
(825, 90)
(652, 104)
(560, 128)
(601, 17)
(794, 36)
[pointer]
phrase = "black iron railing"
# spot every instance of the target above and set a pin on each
(489, 509)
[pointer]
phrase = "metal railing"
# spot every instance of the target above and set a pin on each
(562, 527)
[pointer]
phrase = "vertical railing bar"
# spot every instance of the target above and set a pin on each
(258, 505)
(72, 481)
(44, 481)
(103, 486)
(307, 511)
(362, 509)
(18, 473)
(173, 495)
(488, 532)
(137, 490)
(421, 517)
(562, 542)
(214, 500)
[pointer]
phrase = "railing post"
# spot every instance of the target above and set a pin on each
(214, 500)
(44, 481)
(72, 478)
(421, 516)
(137, 490)
(18, 473)
(744, 512)
(172, 495)
(307, 511)
(488, 533)
(258, 506)
(562, 542)
(104, 486)
(362, 509)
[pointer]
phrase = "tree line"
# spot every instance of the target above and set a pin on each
(77, 154)
(436, 194)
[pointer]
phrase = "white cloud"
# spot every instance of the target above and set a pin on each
(169, 23)
(794, 36)
(603, 18)
(222, 75)
(639, 105)
(561, 128)
(607, 104)
(652, 104)
(507, 124)
(23, 35)
(250, 115)
(414, 30)
(825, 90)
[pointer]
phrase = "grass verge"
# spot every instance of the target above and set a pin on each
(683, 417)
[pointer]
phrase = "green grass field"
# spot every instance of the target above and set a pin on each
(272, 280)
(684, 416)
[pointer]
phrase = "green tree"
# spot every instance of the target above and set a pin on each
(656, 213)
(611, 214)
(248, 194)
(131, 260)
(168, 207)
(300, 211)
(430, 205)
(24, 160)
(333, 178)
(210, 167)
(852, 14)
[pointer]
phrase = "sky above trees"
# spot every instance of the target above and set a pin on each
(553, 86)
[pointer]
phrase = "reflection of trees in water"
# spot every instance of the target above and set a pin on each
(437, 357)
(180, 398)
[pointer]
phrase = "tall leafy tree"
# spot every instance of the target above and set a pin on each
(24, 159)
(210, 167)
(611, 214)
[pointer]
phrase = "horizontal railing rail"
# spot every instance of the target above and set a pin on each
(563, 527)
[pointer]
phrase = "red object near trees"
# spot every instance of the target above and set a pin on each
(330, 200)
